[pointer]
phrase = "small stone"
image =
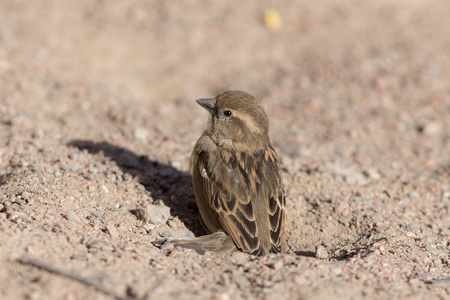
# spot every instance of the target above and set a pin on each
(373, 174)
(430, 247)
(224, 296)
(69, 217)
(167, 248)
(16, 216)
(277, 265)
(158, 214)
(26, 195)
(104, 188)
(344, 222)
(410, 234)
(96, 245)
(141, 134)
(337, 271)
(142, 214)
(172, 224)
(176, 164)
(321, 252)
(414, 195)
(80, 256)
(433, 128)
(95, 213)
(33, 295)
(159, 202)
(46, 227)
(148, 227)
(112, 230)
(57, 229)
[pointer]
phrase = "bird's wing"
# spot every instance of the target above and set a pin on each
(229, 197)
(277, 200)
(238, 188)
(260, 175)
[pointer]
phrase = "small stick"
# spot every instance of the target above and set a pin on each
(41, 265)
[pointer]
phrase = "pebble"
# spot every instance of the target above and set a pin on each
(26, 195)
(57, 229)
(176, 164)
(79, 256)
(104, 188)
(414, 195)
(16, 216)
(430, 247)
(224, 296)
(337, 271)
(410, 234)
(141, 134)
(321, 252)
(373, 174)
(351, 174)
(277, 265)
(34, 295)
(432, 128)
(172, 224)
(112, 230)
(148, 227)
(98, 245)
(158, 214)
(69, 217)
(142, 214)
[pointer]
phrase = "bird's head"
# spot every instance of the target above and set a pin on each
(237, 121)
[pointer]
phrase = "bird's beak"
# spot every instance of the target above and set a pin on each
(208, 104)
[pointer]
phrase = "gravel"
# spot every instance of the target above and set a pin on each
(98, 120)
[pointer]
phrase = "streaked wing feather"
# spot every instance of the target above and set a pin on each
(232, 183)
(277, 203)
(230, 199)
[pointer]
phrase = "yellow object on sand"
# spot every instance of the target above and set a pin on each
(272, 19)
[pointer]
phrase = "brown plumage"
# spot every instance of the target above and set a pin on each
(236, 175)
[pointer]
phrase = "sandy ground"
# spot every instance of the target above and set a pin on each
(98, 120)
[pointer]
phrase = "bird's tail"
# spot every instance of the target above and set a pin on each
(218, 242)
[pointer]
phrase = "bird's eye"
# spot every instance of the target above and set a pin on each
(227, 113)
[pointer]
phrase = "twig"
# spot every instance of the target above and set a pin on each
(41, 265)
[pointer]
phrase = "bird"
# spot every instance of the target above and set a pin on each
(237, 180)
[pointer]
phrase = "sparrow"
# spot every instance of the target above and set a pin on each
(236, 177)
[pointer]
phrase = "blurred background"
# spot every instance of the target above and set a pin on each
(312, 64)
(187, 49)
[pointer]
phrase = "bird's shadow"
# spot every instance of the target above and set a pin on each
(305, 253)
(162, 181)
